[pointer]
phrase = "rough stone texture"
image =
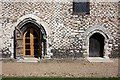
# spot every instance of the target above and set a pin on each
(66, 38)
(1, 30)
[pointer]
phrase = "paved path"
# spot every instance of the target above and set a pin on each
(65, 68)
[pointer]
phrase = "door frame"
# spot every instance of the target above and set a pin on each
(20, 28)
(106, 52)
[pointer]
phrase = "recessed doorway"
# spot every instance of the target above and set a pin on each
(96, 45)
(30, 39)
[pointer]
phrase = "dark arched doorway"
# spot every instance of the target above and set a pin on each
(96, 45)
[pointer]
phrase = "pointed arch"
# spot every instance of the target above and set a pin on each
(23, 24)
(30, 17)
(100, 30)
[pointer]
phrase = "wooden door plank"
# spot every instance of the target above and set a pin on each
(31, 42)
(24, 44)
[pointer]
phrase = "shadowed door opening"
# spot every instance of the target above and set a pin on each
(96, 45)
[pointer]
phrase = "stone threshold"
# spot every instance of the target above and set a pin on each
(29, 60)
(98, 59)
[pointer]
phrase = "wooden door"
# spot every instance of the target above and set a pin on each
(94, 48)
(18, 43)
(31, 43)
(96, 45)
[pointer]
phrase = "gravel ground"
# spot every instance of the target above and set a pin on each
(58, 68)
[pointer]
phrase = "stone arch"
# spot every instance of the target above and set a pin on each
(21, 27)
(101, 30)
(34, 18)
(30, 18)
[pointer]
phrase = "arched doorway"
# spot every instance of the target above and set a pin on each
(96, 45)
(31, 41)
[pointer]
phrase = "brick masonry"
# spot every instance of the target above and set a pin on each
(68, 33)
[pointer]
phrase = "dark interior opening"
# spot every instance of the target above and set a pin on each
(96, 45)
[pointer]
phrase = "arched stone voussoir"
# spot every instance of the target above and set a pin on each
(37, 20)
(97, 29)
